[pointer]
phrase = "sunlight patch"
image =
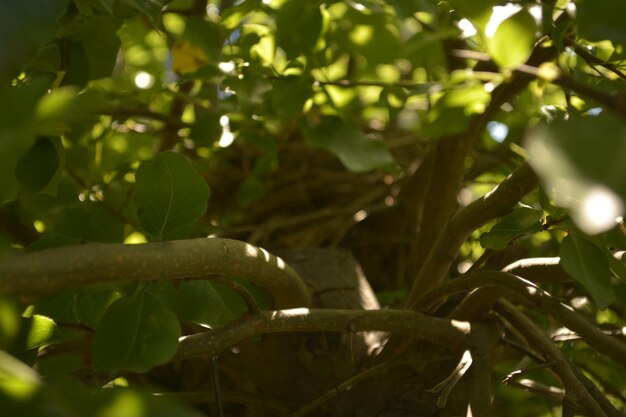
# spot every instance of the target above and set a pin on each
(599, 209)
(227, 138)
(467, 29)
(499, 15)
(292, 312)
(463, 326)
(251, 251)
(144, 80)
(498, 131)
(280, 263)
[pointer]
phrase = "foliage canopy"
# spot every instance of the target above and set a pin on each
(470, 154)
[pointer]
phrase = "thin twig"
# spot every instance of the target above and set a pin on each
(251, 304)
(344, 386)
(523, 349)
(591, 59)
(535, 387)
(217, 386)
(518, 373)
(425, 88)
(137, 112)
(107, 206)
(614, 102)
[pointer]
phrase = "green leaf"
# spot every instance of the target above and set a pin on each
(289, 95)
(206, 130)
(426, 50)
(407, 8)
(520, 221)
(452, 112)
(28, 25)
(299, 25)
(170, 196)
(346, 141)
(9, 321)
(17, 107)
(512, 42)
(210, 304)
(151, 8)
(89, 306)
(47, 59)
(24, 393)
(60, 364)
(588, 265)
(591, 184)
(107, 5)
(205, 35)
(374, 35)
(477, 11)
(77, 66)
(232, 16)
(39, 165)
(59, 308)
(100, 44)
(165, 292)
(57, 110)
(601, 19)
(14, 372)
(250, 190)
(89, 221)
(136, 333)
(41, 332)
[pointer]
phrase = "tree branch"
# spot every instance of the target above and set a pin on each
(542, 343)
(446, 333)
(591, 59)
(613, 102)
(602, 401)
(480, 301)
(494, 204)
(342, 387)
(535, 297)
(539, 270)
(49, 271)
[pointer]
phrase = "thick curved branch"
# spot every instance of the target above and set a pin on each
(494, 204)
(450, 334)
(53, 270)
(535, 297)
(542, 343)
